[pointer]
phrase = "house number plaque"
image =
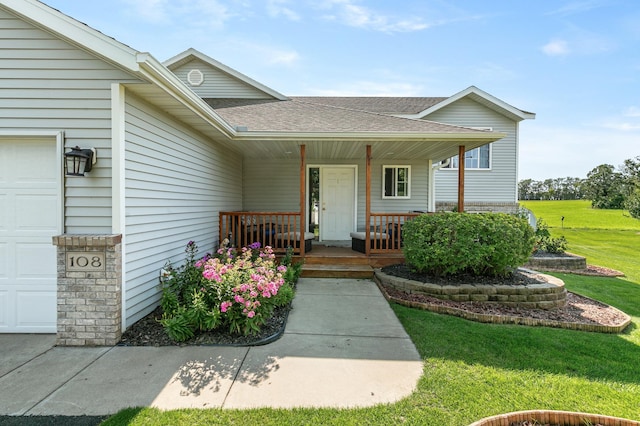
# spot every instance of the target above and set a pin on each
(81, 261)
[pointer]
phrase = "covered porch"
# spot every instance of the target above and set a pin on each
(376, 232)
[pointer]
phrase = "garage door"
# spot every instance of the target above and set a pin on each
(29, 216)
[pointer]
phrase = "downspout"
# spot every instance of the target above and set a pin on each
(431, 198)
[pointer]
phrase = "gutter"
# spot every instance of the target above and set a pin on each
(373, 136)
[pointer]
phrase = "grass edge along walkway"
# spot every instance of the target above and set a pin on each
(475, 370)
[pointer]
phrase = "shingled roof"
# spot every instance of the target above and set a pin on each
(383, 105)
(317, 115)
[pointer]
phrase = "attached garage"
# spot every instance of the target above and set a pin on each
(30, 215)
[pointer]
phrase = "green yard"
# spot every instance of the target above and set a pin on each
(475, 370)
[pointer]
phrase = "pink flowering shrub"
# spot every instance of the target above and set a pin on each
(238, 290)
(246, 283)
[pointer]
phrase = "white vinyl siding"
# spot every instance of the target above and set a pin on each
(177, 182)
(50, 85)
(496, 185)
(274, 185)
(217, 84)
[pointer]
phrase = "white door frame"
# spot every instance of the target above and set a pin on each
(355, 190)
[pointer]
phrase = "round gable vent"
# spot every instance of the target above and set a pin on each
(195, 77)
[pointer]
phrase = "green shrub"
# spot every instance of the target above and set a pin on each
(490, 244)
(545, 242)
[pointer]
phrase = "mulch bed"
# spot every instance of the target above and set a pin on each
(149, 332)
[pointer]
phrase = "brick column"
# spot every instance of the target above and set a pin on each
(89, 289)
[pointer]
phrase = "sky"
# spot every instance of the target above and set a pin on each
(574, 63)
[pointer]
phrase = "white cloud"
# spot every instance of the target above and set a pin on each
(627, 121)
(632, 111)
(577, 7)
(350, 13)
(277, 8)
(578, 41)
(284, 57)
(264, 53)
(556, 48)
(154, 11)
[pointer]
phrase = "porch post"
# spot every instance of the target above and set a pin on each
(367, 214)
(303, 192)
(461, 151)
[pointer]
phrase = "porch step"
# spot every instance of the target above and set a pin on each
(339, 258)
(336, 271)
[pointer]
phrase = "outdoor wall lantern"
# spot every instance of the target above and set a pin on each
(79, 161)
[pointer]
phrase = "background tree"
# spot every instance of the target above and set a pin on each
(605, 187)
(631, 175)
(568, 188)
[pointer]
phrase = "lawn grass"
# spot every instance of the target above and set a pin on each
(474, 370)
(604, 237)
(579, 214)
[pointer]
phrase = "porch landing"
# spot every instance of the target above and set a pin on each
(333, 261)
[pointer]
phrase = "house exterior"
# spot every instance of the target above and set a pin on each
(180, 146)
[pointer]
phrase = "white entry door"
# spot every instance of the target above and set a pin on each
(337, 209)
(29, 216)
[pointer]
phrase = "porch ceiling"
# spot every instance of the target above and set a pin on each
(435, 150)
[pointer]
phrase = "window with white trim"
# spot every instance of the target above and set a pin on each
(478, 158)
(396, 181)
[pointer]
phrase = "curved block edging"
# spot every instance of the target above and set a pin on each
(381, 279)
(568, 262)
(562, 418)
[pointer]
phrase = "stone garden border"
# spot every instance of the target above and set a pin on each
(565, 261)
(383, 279)
(551, 417)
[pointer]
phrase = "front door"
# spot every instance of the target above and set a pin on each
(337, 202)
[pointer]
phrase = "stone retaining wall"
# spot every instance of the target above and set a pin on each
(476, 207)
(570, 262)
(548, 295)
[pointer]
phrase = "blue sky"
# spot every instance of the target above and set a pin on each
(576, 64)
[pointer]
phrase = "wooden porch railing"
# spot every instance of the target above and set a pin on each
(278, 230)
(385, 235)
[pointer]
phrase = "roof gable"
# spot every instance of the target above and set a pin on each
(74, 32)
(219, 80)
(482, 98)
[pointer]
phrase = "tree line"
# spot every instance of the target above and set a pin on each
(606, 186)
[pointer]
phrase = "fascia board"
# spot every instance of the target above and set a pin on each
(74, 32)
(224, 68)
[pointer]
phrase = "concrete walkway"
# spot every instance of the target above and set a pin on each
(343, 347)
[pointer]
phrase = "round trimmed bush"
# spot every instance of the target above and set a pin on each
(490, 244)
